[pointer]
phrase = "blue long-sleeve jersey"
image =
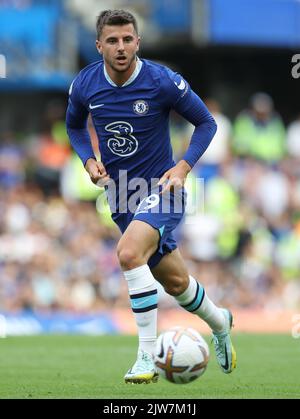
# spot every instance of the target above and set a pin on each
(132, 121)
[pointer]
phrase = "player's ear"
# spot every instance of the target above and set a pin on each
(99, 46)
(138, 43)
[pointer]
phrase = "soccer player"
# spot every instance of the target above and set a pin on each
(129, 100)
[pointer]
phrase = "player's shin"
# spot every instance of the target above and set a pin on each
(195, 300)
(143, 297)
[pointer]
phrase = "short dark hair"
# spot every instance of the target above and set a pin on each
(114, 17)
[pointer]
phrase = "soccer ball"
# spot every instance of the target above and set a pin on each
(181, 355)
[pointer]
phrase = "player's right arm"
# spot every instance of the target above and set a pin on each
(76, 123)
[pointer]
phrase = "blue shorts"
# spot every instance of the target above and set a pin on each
(163, 212)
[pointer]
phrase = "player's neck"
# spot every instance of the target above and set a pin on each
(119, 78)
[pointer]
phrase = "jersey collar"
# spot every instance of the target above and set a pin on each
(133, 76)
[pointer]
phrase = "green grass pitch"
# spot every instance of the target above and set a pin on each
(93, 367)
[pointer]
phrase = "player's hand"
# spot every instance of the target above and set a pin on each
(175, 177)
(97, 172)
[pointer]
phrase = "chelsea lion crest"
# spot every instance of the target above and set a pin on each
(140, 107)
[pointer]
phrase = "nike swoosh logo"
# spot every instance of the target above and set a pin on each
(95, 106)
(181, 85)
(226, 365)
(139, 303)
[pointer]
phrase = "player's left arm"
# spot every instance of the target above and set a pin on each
(189, 105)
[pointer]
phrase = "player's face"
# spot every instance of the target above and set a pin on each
(119, 45)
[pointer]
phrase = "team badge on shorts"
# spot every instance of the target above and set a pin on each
(140, 107)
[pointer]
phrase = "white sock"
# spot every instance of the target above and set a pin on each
(195, 300)
(143, 297)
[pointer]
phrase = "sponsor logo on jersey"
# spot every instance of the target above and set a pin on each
(123, 143)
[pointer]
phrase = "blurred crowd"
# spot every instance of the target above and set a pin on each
(241, 238)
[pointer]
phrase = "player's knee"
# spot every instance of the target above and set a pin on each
(176, 286)
(129, 258)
